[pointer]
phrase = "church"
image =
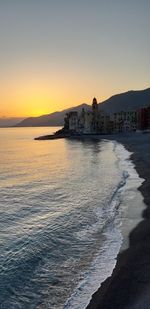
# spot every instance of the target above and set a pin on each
(89, 121)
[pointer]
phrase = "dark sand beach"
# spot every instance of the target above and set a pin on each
(129, 285)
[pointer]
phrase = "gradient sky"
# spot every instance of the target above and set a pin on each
(59, 53)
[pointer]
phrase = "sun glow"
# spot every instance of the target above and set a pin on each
(23, 97)
(32, 98)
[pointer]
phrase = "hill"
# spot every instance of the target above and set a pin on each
(54, 119)
(6, 122)
(130, 100)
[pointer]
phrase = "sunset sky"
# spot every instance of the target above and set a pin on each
(59, 53)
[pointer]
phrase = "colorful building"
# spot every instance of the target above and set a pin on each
(96, 121)
(93, 121)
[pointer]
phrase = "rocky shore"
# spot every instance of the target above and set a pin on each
(62, 133)
(129, 285)
(51, 137)
(66, 134)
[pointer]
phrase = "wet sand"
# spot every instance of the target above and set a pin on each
(129, 285)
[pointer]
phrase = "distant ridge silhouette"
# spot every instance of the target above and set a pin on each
(54, 119)
(130, 100)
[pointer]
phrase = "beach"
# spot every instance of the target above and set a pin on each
(129, 285)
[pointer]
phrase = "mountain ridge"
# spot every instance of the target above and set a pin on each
(130, 100)
(53, 119)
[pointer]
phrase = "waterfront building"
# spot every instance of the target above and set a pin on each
(144, 118)
(92, 121)
(73, 121)
(96, 121)
(125, 121)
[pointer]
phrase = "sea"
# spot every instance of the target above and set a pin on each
(62, 207)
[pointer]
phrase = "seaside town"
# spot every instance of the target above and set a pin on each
(75, 154)
(96, 121)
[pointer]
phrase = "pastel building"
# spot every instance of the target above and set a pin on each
(125, 121)
(92, 121)
(96, 121)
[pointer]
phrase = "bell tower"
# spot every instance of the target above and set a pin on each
(95, 116)
(94, 105)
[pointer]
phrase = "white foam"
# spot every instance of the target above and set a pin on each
(125, 164)
(105, 260)
(100, 269)
(133, 205)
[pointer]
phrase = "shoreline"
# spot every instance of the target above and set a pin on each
(128, 286)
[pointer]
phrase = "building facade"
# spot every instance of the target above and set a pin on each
(125, 121)
(144, 118)
(96, 121)
(93, 121)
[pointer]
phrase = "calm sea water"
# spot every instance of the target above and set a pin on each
(59, 218)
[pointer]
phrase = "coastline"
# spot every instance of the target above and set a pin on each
(128, 286)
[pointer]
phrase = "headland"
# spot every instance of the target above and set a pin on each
(96, 121)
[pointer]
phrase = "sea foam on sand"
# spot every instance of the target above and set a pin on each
(129, 200)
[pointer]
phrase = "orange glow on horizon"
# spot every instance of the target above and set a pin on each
(35, 97)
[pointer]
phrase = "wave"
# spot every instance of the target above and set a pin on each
(105, 259)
